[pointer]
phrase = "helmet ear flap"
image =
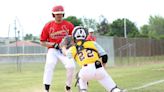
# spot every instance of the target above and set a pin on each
(86, 31)
(74, 38)
(53, 15)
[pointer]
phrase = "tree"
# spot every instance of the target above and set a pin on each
(28, 37)
(156, 26)
(103, 26)
(144, 31)
(117, 28)
(89, 23)
(74, 20)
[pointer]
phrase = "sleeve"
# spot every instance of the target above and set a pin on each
(88, 38)
(70, 55)
(44, 35)
(101, 51)
(71, 27)
(94, 38)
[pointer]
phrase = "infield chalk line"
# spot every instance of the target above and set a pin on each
(146, 85)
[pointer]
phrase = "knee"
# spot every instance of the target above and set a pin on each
(70, 67)
(49, 66)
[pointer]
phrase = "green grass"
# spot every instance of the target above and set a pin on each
(127, 77)
(128, 60)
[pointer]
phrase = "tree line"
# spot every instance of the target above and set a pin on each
(154, 29)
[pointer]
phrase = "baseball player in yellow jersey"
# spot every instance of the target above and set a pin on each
(88, 54)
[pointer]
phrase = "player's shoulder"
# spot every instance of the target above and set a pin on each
(72, 48)
(90, 42)
(67, 22)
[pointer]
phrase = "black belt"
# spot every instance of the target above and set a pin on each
(85, 65)
(97, 64)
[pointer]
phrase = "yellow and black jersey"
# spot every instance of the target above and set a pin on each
(85, 52)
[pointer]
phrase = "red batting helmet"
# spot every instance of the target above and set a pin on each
(58, 10)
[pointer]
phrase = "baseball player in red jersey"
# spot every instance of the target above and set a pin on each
(91, 37)
(51, 36)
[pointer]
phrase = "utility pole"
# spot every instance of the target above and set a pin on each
(16, 45)
(125, 32)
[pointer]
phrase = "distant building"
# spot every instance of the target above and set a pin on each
(23, 43)
(6, 40)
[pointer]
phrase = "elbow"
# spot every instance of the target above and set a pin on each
(42, 43)
(104, 58)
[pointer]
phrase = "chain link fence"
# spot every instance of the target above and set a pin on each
(121, 51)
(23, 54)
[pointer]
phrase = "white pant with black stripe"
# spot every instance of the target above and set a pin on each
(52, 58)
(90, 72)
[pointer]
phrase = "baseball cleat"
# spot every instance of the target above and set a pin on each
(67, 89)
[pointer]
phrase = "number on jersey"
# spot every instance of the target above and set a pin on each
(85, 54)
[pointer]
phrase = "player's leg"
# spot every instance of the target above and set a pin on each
(70, 67)
(86, 73)
(51, 61)
(83, 79)
(106, 81)
(82, 85)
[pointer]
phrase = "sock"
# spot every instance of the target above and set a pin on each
(68, 88)
(47, 87)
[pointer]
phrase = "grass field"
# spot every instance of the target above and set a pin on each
(127, 77)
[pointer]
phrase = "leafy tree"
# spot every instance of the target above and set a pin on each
(89, 23)
(103, 26)
(74, 20)
(117, 28)
(144, 31)
(156, 26)
(28, 37)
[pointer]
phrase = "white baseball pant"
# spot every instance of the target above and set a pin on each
(90, 72)
(52, 58)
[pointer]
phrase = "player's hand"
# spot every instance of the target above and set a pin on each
(64, 50)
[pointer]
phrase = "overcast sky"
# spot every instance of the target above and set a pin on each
(33, 14)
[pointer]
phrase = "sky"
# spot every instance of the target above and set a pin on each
(32, 15)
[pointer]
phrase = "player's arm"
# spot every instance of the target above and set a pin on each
(45, 36)
(69, 54)
(63, 49)
(104, 59)
(102, 53)
(47, 44)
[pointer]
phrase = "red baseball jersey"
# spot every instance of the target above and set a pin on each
(91, 38)
(55, 32)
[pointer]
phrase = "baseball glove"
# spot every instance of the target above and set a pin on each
(67, 42)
